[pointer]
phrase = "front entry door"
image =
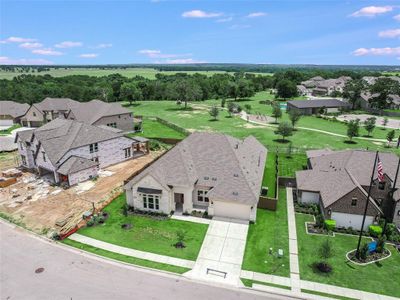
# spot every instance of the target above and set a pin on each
(179, 199)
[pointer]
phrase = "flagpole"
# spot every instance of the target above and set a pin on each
(391, 196)
(366, 206)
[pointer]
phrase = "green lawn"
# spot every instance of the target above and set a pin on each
(381, 277)
(198, 118)
(249, 283)
(147, 234)
(269, 178)
(154, 129)
(8, 131)
(288, 165)
(148, 73)
(270, 230)
(126, 259)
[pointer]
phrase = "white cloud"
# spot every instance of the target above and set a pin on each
(102, 46)
(376, 51)
(256, 14)
(224, 20)
(200, 14)
(158, 54)
(391, 33)
(397, 17)
(4, 60)
(372, 11)
(184, 61)
(47, 51)
(29, 45)
(14, 39)
(89, 55)
(68, 44)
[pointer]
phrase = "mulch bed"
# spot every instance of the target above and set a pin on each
(370, 258)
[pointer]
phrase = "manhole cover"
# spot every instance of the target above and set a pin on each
(39, 270)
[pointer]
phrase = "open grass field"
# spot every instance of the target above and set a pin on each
(127, 72)
(154, 129)
(147, 234)
(270, 230)
(196, 117)
(125, 258)
(381, 277)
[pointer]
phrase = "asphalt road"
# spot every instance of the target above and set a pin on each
(69, 274)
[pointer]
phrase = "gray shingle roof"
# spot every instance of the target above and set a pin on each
(232, 168)
(13, 108)
(336, 173)
(75, 164)
(55, 104)
(61, 135)
(328, 103)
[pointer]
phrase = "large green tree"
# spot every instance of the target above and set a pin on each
(352, 92)
(286, 89)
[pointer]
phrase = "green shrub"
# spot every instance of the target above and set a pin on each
(330, 224)
(319, 220)
(380, 245)
(364, 251)
(90, 223)
(375, 230)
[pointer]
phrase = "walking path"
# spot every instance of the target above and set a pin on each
(293, 251)
(253, 119)
(132, 252)
(221, 255)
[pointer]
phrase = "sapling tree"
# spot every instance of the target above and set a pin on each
(369, 125)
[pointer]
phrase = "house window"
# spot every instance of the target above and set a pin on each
(44, 155)
(23, 159)
(34, 114)
(114, 125)
(354, 202)
(127, 152)
(201, 196)
(151, 201)
(93, 148)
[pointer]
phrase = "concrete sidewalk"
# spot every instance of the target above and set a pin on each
(132, 252)
(191, 219)
(221, 255)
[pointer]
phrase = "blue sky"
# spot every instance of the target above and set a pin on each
(118, 32)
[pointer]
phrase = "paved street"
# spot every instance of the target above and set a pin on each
(70, 275)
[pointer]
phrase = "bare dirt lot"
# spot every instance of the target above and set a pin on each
(37, 205)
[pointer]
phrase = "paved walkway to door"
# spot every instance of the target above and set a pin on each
(221, 255)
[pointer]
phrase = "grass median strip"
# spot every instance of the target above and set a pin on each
(250, 282)
(326, 295)
(126, 259)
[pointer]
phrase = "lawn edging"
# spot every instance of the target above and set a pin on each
(367, 263)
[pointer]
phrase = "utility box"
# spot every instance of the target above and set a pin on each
(280, 253)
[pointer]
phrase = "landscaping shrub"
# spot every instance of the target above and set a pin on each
(325, 252)
(180, 236)
(375, 230)
(319, 220)
(90, 223)
(125, 210)
(154, 145)
(101, 220)
(330, 224)
(380, 246)
(364, 251)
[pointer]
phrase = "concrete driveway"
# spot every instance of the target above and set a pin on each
(392, 123)
(7, 141)
(221, 255)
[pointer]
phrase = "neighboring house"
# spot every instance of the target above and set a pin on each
(318, 86)
(206, 171)
(94, 112)
(302, 90)
(338, 181)
(68, 151)
(310, 107)
(393, 101)
(11, 112)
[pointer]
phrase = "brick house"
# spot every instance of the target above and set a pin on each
(68, 151)
(338, 181)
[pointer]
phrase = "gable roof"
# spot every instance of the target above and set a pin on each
(231, 168)
(61, 135)
(13, 108)
(75, 164)
(335, 173)
(328, 103)
(90, 112)
(55, 104)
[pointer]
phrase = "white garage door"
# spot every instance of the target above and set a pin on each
(6, 122)
(231, 210)
(349, 220)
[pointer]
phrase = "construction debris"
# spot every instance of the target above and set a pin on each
(11, 173)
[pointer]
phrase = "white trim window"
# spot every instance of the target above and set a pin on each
(201, 196)
(127, 152)
(113, 125)
(93, 148)
(151, 201)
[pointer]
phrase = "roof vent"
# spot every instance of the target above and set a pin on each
(235, 175)
(214, 178)
(237, 146)
(206, 177)
(235, 193)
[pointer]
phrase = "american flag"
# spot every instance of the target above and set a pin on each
(380, 171)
